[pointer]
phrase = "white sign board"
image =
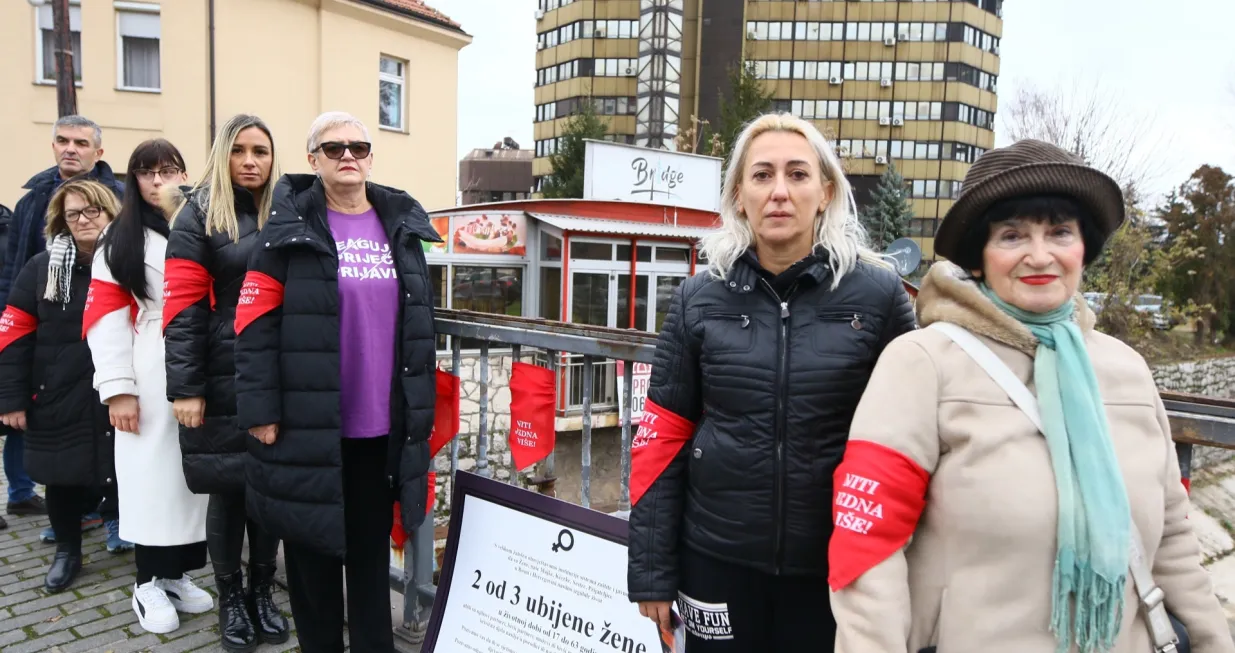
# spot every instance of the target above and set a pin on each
(525, 573)
(641, 378)
(615, 171)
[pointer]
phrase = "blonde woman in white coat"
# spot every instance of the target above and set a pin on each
(123, 324)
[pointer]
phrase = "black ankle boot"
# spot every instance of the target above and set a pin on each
(270, 622)
(235, 627)
(64, 569)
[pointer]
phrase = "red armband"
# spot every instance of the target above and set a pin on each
(102, 298)
(878, 494)
(185, 282)
(662, 434)
(260, 294)
(14, 324)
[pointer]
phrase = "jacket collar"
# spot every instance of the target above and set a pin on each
(299, 213)
(744, 276)
(51, 176)
(949, 295)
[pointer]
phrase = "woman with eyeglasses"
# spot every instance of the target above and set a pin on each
(335, 381)
(123, 324)
(45, 372)
(214, 232)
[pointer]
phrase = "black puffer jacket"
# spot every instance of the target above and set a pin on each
(287, 367)
(771, 385)
(50, 375)
(199, 341)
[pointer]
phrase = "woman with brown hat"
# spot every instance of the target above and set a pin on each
(1027, 455)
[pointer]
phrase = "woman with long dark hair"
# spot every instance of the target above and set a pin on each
(123, 324)
(215, 229)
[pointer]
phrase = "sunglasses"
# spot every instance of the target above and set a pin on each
(90, 213)
(334, 150)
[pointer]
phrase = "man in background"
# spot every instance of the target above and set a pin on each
(77, 143)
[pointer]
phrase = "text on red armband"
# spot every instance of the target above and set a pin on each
(14, 324)
(260, 294)
(877, 497)
(662, 434)
(103, 298)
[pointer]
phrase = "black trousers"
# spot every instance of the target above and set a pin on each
(315, 580)
(226, 523)
(729, 608)
(67, 503)
(169, 562)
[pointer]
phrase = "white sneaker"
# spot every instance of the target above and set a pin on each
(185, 596)
(154, 611)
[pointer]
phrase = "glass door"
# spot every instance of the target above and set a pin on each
(592, 298)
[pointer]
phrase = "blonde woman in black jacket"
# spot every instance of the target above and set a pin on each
(215, 229)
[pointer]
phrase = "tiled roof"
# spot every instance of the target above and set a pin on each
(418, 9)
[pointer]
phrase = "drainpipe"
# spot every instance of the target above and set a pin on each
(210, 9)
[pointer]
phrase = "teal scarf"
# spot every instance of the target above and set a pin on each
(1094, 530)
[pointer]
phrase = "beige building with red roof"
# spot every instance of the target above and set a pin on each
(179, 69)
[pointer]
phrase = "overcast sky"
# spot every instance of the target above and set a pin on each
(1170, 66)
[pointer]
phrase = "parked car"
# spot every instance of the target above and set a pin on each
(1156, 308)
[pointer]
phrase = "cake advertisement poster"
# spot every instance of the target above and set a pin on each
(490, 233)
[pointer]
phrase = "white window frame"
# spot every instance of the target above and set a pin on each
(136, 8)
(38, 44)
(393, 79)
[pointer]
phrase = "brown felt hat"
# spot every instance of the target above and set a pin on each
(1029, 167)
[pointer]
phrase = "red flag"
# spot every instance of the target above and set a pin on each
(532, 433)
(878, 493)
(14, 324)
(102, 298)
(661, 435)
(432, 500)
(185, 282)
(446, 412)
(260, 294)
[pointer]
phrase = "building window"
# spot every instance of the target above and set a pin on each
(137, 33)
(487, 290)
(45, 44)
(391, 94)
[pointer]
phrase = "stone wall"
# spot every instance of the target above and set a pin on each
(1213, 377)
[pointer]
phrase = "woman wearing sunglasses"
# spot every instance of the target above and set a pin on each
(335, 381)
(213, 234)
(123, 324)
(45, 372)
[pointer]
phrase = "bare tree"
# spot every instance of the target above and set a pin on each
(1094, 125)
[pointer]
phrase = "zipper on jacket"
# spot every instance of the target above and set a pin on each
(745, 319)
(855, 319)
(778, 462)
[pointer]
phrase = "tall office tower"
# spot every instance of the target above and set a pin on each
(905, 83)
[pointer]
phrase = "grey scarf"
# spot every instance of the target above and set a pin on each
(62, 256)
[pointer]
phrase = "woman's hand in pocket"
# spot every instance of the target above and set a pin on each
(124, 413)
(266, 434)
(190, 411)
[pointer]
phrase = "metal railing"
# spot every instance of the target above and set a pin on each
(583, 352)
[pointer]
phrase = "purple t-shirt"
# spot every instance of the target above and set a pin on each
(368, 310)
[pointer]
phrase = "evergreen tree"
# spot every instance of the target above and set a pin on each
(887, 217)
(566, 181)
(747, 99)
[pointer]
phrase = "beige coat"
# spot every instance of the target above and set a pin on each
(976, 576)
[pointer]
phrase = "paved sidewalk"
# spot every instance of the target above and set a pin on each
(95, 614)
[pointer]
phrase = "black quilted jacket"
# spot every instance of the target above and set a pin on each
(287, 368)
(771, 385)
(199, 343)
(50, 375)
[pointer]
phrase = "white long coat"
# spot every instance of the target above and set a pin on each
(156, 507)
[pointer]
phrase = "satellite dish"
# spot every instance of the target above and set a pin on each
(906, 254)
